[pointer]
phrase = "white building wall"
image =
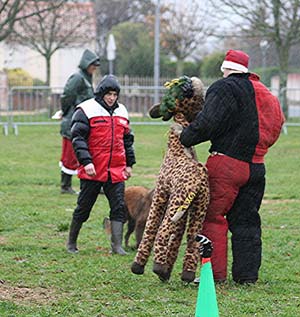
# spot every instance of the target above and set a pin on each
(22, 57)
(293, 93)
(64, 62)
(2, 57)
(3, 92)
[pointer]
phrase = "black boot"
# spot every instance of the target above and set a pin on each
(66, 184)
(116, 237)
(73, 235)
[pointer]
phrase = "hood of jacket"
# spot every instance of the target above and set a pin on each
(88, 58)
(108, 83)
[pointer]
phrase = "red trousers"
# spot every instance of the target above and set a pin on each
(226, 176)
(68, 161)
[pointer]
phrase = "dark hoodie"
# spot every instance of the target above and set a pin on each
(77, 89)
(108, 83)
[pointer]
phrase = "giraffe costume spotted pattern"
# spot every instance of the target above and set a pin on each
(181, 194)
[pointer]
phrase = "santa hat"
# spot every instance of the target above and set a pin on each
(236, 60)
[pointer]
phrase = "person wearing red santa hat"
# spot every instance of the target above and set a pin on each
(241, 119)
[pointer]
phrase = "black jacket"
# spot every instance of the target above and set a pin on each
(240, 117)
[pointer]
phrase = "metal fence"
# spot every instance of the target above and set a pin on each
(4, 108)
(36, 105)
(24, 105)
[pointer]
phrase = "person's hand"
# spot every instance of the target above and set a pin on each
(57, 115)
(90, 169)
(127, 172)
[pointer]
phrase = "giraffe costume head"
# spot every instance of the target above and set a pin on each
(183, 95)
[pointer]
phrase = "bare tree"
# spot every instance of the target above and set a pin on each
(68, 25)
(183, 30)
(113, 12)
(12, 11)
(275, 21)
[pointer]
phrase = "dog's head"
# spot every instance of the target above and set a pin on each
(183, 95)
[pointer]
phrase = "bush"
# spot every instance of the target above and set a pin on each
(191, 69)
(211, 65)
(38, 82)
(18, 77)
(168, 68)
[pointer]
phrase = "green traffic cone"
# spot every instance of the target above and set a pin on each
(206, 305)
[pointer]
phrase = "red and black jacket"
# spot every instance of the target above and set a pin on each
(104, 139)
(241, 118)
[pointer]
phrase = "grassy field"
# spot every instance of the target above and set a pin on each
(38, 277)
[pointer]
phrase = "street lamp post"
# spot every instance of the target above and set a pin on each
(263, 44)
(156, 52)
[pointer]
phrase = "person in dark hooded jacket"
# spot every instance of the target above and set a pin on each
(103, 144)
(77, 89)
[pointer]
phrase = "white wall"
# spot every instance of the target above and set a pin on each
(3, 92)
(64, 62)
(22, 57)
(2, 57)
(293, 93)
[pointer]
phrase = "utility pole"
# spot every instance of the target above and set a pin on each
(263, 44)
(156, 52)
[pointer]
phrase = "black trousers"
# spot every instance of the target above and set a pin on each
(245, 225)
(89, 191)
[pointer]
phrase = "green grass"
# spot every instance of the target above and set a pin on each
(38, 277)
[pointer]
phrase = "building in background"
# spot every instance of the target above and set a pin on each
(293, 93)
(65, 60)
(3, 91)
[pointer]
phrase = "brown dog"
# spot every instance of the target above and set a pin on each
(138, 201)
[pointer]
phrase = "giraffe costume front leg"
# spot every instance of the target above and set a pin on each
(190, 200)
(156, 214)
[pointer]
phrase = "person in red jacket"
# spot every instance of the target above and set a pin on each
(103, 144)
(241, 119)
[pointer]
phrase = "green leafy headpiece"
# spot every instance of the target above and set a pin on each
(178, 88)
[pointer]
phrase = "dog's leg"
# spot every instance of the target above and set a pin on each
(142, 212)
(139, 230)
(130, 229)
